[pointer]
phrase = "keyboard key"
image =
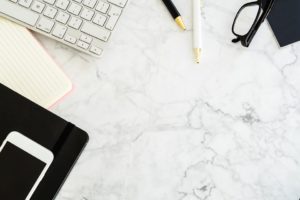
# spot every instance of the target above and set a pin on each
(38, 6)
(95, 31)
(86, 38)
(70, 39)
(115, 11)
(114, 14)
(62, 17)
(90, 3)
(83, 45)
(50, 12)
(96, 50)
(49, 1)
(75, 9)
(59, 31)
(25, 3)
(17, 12)
(102, 7)
(87, 14)
(62, 4)
(99, 19)
(45, 24)
(75, 22)
(120, 3)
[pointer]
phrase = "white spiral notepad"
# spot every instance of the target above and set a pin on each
(26, 68)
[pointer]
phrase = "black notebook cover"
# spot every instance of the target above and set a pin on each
(65, 140)
(284, 19)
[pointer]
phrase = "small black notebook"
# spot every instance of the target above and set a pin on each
(62, 138)
(284, 19)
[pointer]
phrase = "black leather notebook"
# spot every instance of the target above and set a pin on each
(62, 138)
(284, 19)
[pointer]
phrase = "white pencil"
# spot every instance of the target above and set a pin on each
(197, 32)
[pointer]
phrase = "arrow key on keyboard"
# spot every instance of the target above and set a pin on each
(86, 38)
(83, 45)
(96, 50)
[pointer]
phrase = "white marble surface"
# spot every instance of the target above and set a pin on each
(164, 128)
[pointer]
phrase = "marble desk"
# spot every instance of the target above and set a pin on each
(164, 128)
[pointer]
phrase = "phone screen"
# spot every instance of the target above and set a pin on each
(18, 172)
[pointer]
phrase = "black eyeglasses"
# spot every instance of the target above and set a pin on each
(248, 20)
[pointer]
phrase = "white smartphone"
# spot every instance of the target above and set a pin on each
(23, 164)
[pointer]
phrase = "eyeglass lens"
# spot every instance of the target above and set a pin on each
(245, 19)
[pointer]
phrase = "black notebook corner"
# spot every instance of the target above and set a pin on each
(63, 139)
(284, 20)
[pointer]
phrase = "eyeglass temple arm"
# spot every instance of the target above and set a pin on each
(236, 40)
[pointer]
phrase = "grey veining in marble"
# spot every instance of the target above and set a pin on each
(164, 128)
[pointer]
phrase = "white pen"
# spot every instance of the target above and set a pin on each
(197, 32)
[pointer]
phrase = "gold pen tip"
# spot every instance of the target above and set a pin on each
(197, 55)
(180, 23)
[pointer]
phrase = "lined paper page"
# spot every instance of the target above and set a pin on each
(26, 68)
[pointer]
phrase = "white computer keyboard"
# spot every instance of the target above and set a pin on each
(83, 24)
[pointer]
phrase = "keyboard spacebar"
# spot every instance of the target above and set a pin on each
(17, 12)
